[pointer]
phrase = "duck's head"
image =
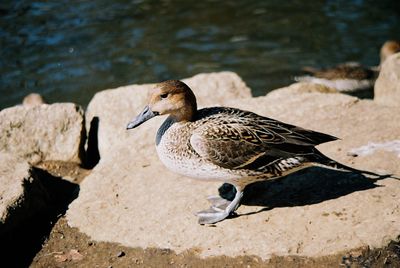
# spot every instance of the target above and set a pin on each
(389, 48)
(171, 97)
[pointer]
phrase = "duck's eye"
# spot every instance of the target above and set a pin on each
(163, 96)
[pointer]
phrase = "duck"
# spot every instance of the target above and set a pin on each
(227, 144)
(33, 100)
(389, 48)
(350, 76)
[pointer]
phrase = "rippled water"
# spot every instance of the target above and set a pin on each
(69, 50)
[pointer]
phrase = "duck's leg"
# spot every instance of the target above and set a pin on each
(226, 192)
(220, 209)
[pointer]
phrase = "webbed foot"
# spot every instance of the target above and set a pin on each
(218, 202)
(211, 215)
(220, 208)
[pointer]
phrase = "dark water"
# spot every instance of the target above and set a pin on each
(68, 50)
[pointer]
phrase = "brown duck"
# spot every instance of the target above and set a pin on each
(352, 76)
(227, 144)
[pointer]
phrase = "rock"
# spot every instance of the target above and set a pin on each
(315, 212)
(110, 110)
(45, 132)
(387, 86)
(21, 192)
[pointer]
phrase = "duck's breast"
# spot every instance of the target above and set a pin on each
(177, 154)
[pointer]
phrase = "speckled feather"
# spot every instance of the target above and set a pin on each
(240, 143)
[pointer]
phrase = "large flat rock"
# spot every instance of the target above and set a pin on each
(131, 198)
(21, 192)
(43, 132)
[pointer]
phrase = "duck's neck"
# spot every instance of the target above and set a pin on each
(184, 115)
(163, 128)
(189, 110)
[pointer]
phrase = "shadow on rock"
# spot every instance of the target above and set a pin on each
(306, 187)
(92, 152)
(363, 94)
(21, 243)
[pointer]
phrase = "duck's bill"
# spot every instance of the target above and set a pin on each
(145, 115)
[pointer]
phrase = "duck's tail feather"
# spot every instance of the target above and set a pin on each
(324, 161)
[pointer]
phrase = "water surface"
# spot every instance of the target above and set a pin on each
(69, 50)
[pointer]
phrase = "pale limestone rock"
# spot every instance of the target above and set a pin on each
(21, 192)
(131, 198)
(114, 108)
(387, 86)
(45, 132)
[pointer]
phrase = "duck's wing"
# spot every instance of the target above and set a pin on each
(238, 139)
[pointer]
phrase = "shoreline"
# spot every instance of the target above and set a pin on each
(84, 160)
